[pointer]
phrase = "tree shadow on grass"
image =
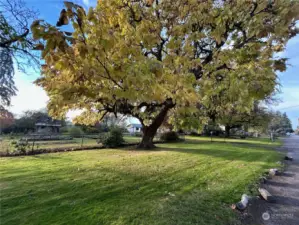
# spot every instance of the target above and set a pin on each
(115, 193)
(233, 154)
(235, 142)
(127, 199)
(229, 151)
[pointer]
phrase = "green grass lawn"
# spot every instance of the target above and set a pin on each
(192, 182)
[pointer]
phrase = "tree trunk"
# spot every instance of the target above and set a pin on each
(150, 131)
(227, 131)
(147, 138)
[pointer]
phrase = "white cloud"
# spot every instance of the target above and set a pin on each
(89, 3)
(73, 113)
(29, 96)
(86, 2)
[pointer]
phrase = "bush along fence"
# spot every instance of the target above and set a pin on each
(113, 139)
(37, 137)
(60, 149)
(29, 151)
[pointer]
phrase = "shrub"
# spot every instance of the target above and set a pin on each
(113, 139)
(75, 132)
(170, 136)
(64, 129)
(91, 130)
(193, 133)
(241, 133)
(11, 137)
(121, 128)
(212, 128)
(21, 146)
(138, 134)
(13, 143)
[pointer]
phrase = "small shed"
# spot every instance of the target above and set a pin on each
(47, 127)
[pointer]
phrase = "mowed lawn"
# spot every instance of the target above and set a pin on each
(192, 182)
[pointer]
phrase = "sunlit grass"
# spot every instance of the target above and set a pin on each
(191, 182)
(262, 141)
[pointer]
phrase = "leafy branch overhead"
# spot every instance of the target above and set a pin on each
(16, 44)
(146, 58)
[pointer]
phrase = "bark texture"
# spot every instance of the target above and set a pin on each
(150, 131)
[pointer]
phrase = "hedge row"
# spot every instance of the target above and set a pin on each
(61, 149)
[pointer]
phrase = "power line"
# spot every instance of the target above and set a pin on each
(39, 2)
(294, 106)
(51, 1)
(54, 1)
(43, 2)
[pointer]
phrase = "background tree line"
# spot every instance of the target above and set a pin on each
(26, 123)
(261, 121)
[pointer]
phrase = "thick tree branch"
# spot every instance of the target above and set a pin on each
(7, 43)
(108, 74)
(253, 8)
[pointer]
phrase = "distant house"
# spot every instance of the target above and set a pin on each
(135, 128)
(48, 126)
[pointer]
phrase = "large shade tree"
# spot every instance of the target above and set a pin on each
(16, 43)
(243, 112)
(256, 118)
(280, 123)
(145, 58)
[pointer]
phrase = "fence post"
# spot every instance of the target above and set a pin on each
(33, 145)
(82, 141)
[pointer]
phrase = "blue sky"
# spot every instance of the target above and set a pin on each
(290, 82)
(33, 97)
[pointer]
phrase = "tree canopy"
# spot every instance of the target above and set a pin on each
(6, 118)
(145, 58)
(7, 84)
(280, 123)
(16, 44)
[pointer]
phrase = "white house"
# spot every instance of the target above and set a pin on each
(134, 128)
